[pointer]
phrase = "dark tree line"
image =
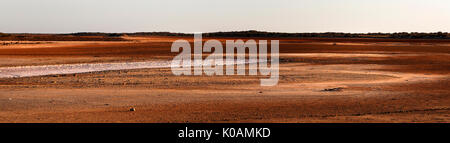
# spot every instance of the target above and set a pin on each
(4, 35)
(253, 33)
(130, 34)
(402, 35)
(415, 35)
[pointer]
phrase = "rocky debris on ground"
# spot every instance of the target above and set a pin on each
(333, 89)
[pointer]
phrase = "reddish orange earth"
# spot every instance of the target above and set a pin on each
(379, 80)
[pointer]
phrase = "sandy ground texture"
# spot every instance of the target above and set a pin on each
(321, 80)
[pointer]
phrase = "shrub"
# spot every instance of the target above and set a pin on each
(4, 35)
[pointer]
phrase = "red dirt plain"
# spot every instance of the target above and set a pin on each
(382, 80)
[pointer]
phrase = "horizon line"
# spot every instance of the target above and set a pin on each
(217, 32)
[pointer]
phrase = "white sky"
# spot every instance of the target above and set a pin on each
(63, 16)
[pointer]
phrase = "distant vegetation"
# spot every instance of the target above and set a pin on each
(253, 33)
(98, 36)
(4, 35)
(59, 37)
(403, 35)
(130, 34)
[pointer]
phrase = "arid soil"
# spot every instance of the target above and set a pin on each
(321, 80)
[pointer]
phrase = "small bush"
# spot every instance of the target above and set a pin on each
(4, 35)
